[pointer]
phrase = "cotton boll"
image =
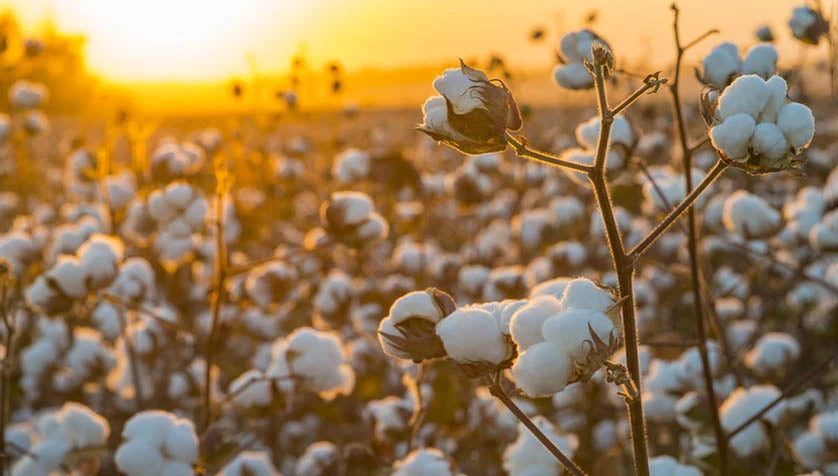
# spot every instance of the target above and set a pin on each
(811, 449)
(778, 90)
(741, 405)
(691, 371)
(526, 323)
(721, 64)
(571, 331)
(320, 459)
(573, 76)
(798, 124)
(69, 275)
(747, 94)
(769, 141)
(181, 442)
(542, 369)
(423, 462)
(587, 133)
(149, 426)
(473, 335)
(250, 463)
(177, 468)
(527, 456)
(826, 424)
(668, 466)
(138, 458)
(582, 293)
(761, 60)
(351, 165)
(554, 287)
(772, 352)
(733, 135)
(750, 216)
(44, 458)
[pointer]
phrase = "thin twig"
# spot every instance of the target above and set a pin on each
(420, 409)
(522, 150)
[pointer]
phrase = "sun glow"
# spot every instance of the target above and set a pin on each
(181, 40)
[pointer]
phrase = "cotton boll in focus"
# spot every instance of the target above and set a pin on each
(798, 124)
(571, 331)
(733, 135)
(761, 60)
(778, 90)
(769, 141)
(582, 293)
(526, 323)
(747, 94)
(473, 335)
(542, 369)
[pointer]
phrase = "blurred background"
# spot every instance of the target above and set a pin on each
(163, 56)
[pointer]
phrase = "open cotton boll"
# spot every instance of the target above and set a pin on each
(668, 466)
(573, 76)
(582, 293)
(356, 206)
(750, 216)
(733, 135)
(250, 463)
(587, 133)
(761, 60)
(777, 90)
(554, 287)
(824, 235)
(423, 462)
(351, 165)
(454, 85)
(798, 124)
(743, 404)
(138, 458)
(542, 369)
(747, 94)
(570, 331)
(772, 352)
(181, 442)
(526, 456)
(45, 457)
(82, 427)
(526, 323)
(473, 335)
(769, 141)
(826, 424)
(721, 64)
(100, 257)
(810, 447)
(320, 459)
(691, 366)
(69, 275)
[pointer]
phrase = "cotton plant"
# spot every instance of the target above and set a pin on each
(70, 438)
(754, 126)
(157, 443)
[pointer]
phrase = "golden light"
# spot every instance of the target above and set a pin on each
(180, 40)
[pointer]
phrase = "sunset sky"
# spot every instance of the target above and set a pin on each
(186, 40)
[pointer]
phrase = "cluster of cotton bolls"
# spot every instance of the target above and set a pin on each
(754, 124)
(157, 443)
(25, 97)
(72, 433)
(179, 212)
(172, 160)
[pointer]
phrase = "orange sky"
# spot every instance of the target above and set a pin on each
(187, 40)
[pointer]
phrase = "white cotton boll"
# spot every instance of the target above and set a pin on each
(659, 406)
(177, 468)
(100, 257)
(250, 463)
(554, 287)
(159, 208)
(317, 459)
(195, 214)
(542, 369)
(733, 135)
(777, 90)
(45, 458)
(668, 466)
(81, 427)
(181, 442)
(802, 18)
(747, 94)
(351, 165)
(454, 85)
(772, 352)
(798, 124)
(423, 462)
(582, 293)
(749, 216)
(178, 195)
(527, 456)
(473, 335)
(761, 60)
(740, 333)
(740, 406)
(769, 141)
(138, 458)
(621, 131)
(721, 64)
(25, 94)
(664, 376)
(526, 323)
(691, 371)
(149, 426)
(357, 206)
(826, 424)
(810, 448)
(571, 331)
(69, 275)
(573, 76)
(587, 133)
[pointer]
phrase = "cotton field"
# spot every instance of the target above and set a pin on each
(644, 283)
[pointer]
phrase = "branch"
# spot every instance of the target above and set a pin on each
(521, 149)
